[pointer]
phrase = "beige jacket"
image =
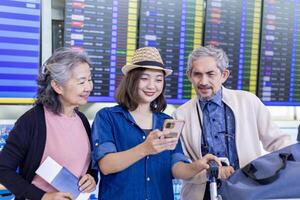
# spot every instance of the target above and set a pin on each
(252, 124)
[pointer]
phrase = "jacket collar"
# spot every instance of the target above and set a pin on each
(227, 96)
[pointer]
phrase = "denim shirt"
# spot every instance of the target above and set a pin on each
(114, 130)
(219, 129)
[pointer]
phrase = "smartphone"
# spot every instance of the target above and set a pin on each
(174, 127)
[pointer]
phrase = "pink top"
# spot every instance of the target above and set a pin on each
(67, 143)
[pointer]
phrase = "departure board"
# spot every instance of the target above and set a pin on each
(106, 30)
(175, 28)
(19, 50)
(279, 75)
(234, 25)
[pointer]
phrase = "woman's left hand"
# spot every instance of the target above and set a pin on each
(87, 183)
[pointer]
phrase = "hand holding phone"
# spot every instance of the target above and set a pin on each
(173, 127)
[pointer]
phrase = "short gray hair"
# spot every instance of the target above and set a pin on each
(217, 53)
(58, 67)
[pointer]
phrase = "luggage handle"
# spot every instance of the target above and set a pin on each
(249, 170)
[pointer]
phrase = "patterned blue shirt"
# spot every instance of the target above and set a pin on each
(115, 130)
(219, 130)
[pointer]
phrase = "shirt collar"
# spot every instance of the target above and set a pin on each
(124, 111)
(157, 116)
(217, 99)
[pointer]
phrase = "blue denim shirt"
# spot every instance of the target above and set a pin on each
(114, 130)
(215, 117)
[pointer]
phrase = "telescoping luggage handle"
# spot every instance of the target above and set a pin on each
(212, 175)
(249, 170)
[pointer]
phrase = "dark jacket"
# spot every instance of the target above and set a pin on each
(24, 149)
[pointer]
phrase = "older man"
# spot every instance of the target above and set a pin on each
(227, 123)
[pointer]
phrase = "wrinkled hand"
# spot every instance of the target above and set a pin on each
(57, 196)
(225, 172)
(87, 183)
(202, 163)
(156, 143)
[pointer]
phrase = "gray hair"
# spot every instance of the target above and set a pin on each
(217, 53)
(58, 68)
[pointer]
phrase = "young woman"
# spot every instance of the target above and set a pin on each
(53, 127)
(132, 153)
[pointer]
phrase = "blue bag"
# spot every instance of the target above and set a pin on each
(272, 176)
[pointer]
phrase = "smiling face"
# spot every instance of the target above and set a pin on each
(76, 90)
(150, 85)
(206, 77)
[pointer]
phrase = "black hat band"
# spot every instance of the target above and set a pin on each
(149, 63)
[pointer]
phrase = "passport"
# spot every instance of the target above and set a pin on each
(61, 178)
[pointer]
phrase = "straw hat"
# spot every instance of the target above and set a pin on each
(146, 57)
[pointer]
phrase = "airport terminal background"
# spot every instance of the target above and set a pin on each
(261, 37)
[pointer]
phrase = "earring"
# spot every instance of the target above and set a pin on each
(154, 104)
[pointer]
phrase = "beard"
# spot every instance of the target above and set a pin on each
(205, 98)
(209, 97)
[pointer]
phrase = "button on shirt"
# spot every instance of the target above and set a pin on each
(114, 130)
(215, 133)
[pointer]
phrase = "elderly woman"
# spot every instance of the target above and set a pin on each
(52, 128)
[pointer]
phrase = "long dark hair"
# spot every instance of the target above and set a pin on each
(127, 92)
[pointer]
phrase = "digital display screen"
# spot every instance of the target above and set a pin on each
(107, 31)
(279, 75)
(262, 54)
(19, 50)
(175, 28)
(234, 26)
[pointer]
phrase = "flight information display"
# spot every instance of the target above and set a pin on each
(234, 25)
(107, 31)
(175, 28)
(279, 75)
(19, 50)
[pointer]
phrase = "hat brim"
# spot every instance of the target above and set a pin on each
(129, 67)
